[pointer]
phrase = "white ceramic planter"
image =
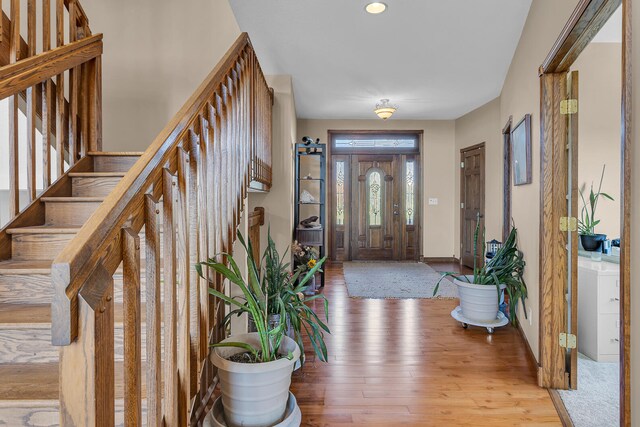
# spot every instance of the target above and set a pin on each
(478, 302)
(254, 394)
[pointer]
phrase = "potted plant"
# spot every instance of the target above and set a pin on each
(287, 287)
(591, 241)
(306, 258)
(480, 293)
(255, 369)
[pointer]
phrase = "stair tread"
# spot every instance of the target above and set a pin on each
(11, 266)
(96, 174)
(117, 153)
(45, 229)
(72, 199)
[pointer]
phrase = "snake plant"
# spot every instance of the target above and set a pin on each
(268, 291)
(587, 222)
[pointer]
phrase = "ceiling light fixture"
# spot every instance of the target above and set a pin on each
(384, 110)
(375, 7)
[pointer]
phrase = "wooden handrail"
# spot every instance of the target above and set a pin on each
(21, 75)
(101, 231)
(69, 120)
(191, 182)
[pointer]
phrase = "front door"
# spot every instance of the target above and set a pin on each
(471, 204)
(376, 199)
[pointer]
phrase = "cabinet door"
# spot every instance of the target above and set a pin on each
(609, 295)
(608, 336)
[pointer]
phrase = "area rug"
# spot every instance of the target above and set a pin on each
(385, 279)
(596, 401)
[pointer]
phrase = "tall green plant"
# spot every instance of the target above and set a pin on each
(264, 293)
(505, 268)
(587, 222)
(287, 288)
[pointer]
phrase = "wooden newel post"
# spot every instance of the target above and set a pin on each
(86, 366)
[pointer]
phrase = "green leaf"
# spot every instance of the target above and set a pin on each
(225, 298)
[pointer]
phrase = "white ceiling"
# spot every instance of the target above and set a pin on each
(435, 59)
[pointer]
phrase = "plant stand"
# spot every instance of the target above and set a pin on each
(309, 158)
(292, 416)
(501, 320)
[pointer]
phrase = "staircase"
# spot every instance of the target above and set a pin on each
(103, 319)
(28, 361)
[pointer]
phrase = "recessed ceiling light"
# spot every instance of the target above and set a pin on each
(376, 7)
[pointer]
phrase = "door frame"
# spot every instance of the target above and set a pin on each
(484, 191)
(588, 17)
(506, 179)
(331, 152)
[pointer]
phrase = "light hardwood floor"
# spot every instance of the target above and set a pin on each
(407, 362)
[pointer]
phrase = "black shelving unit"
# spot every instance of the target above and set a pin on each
(314, 236)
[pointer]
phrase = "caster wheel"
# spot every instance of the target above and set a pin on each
(490, 330)
(464, 325)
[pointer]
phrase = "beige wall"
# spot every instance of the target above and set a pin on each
(599, 73)
(278, 203)
(437, 171)
(156, 53)
(483, 125)
(521, 95)
(599, 134)
(635, 223)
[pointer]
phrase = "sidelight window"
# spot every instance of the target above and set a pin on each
(340, 192)
(410, 192)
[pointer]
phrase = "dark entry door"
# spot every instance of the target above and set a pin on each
(471, 202)
(376, 207)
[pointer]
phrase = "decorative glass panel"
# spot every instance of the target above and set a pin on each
(340, 193)
(410, 192)
(374, 186)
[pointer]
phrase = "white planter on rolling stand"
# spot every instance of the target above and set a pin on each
(254, 394)
(479, 305)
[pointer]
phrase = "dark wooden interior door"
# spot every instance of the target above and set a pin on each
(471, 202)
(376, 207)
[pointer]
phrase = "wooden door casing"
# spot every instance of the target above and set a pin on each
(472, 195)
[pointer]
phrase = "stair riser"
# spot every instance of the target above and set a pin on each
(36, 288)
(25, 247)
(38, 246)
(93, 186)
(32, 344)
(69, 213)
(25, 289)
(113, 163)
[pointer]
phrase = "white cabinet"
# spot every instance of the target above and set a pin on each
(599, 310)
